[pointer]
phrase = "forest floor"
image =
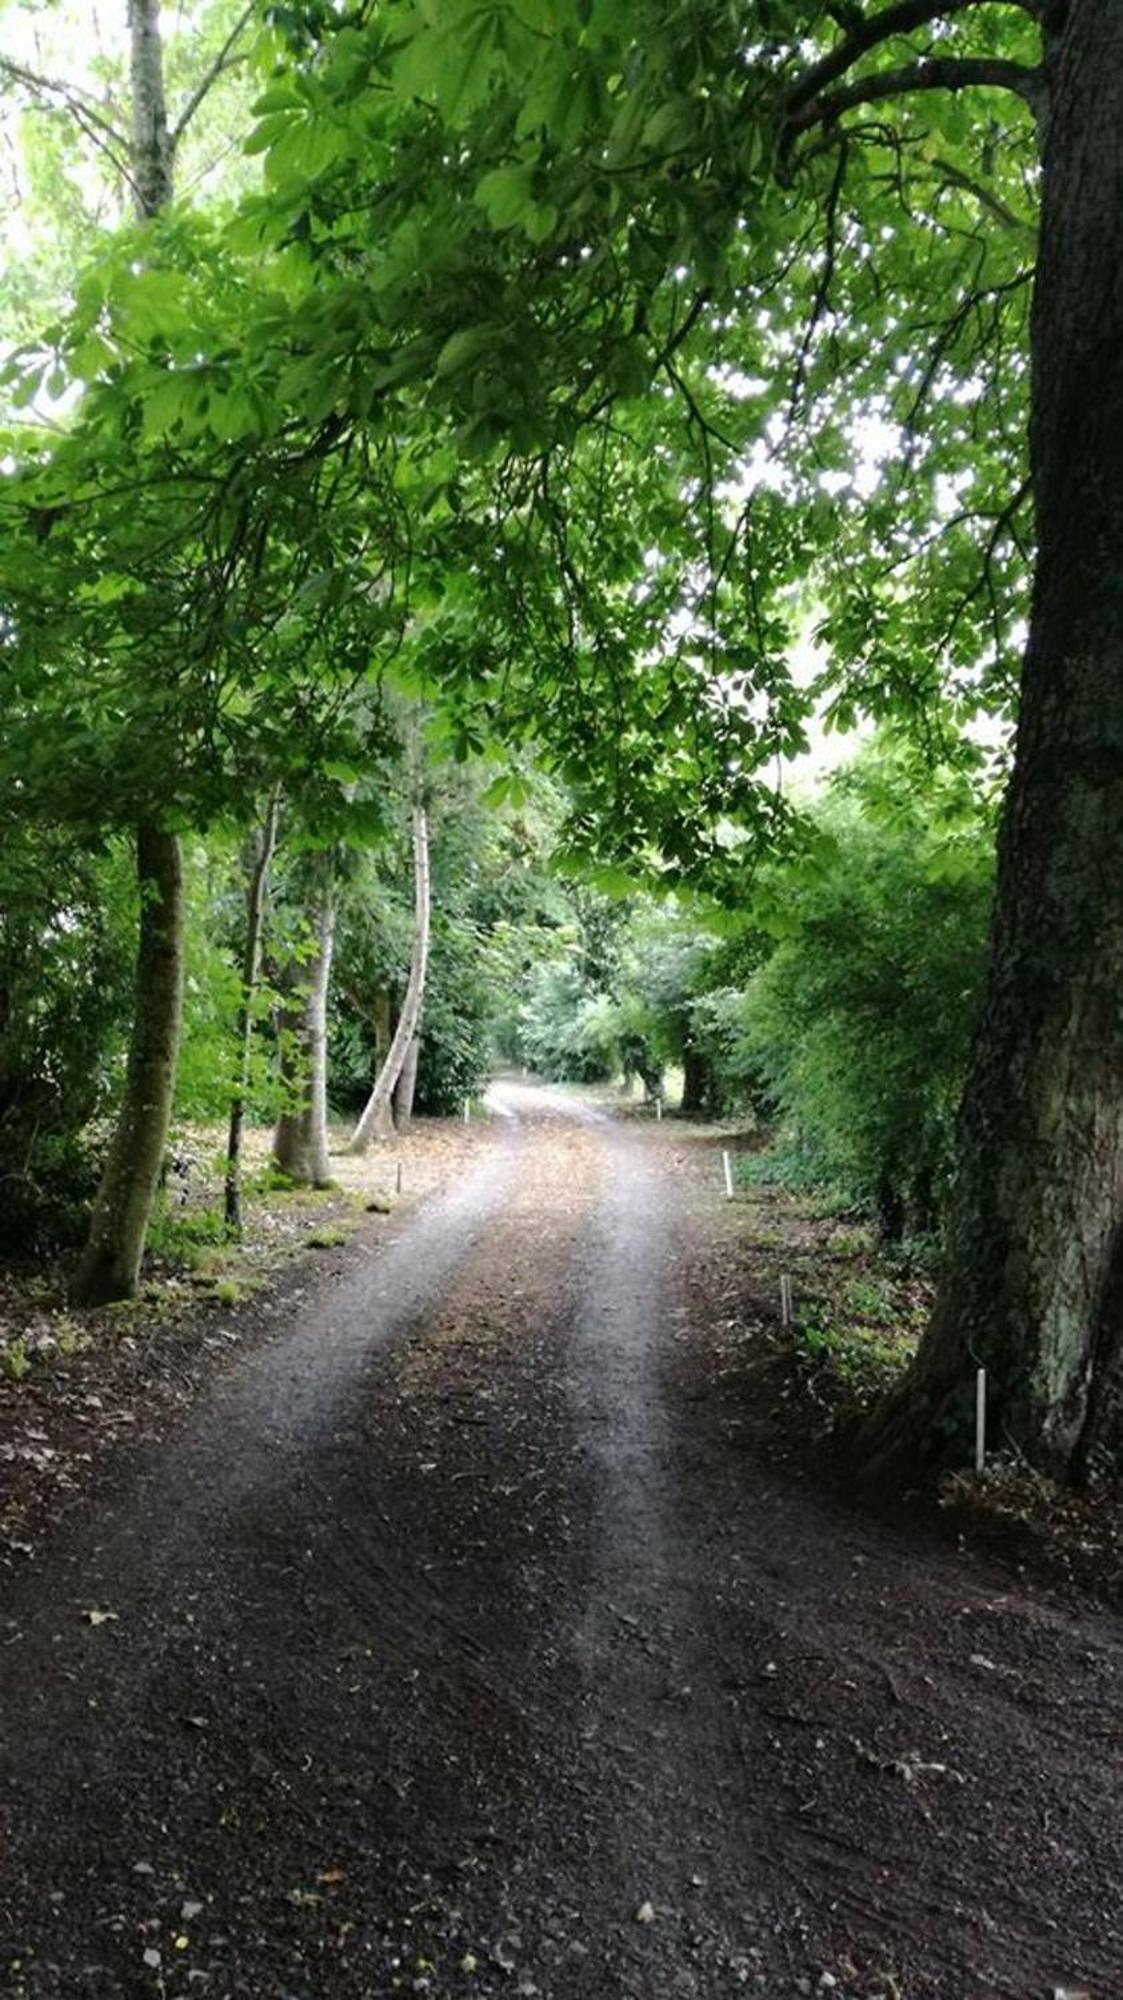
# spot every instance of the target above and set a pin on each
(481, 1617)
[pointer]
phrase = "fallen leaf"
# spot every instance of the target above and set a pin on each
(646, 1913)
(96, 1617)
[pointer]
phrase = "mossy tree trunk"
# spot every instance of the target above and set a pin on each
(405, 1090)
(1034, 1279)
(256, 886)
(300, 1141)
(110, 1263)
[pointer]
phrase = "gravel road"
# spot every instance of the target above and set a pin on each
(463, 1643)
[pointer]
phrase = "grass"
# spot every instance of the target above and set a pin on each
(15, 1361)
(326, 1239)
(232, 1291)
(866, 1358)
(188, 1236)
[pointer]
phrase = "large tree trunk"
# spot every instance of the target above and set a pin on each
(1034, 1279)
(110, 1263)
(300, 1142)
(251, 971)
(409, 1020)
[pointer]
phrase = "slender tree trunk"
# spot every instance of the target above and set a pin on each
(385, 1024)
(151, 152)
(695, 1083)
(251, 970)
(300, 1142)
(405, 1089)
(110, 1263)
(409, 1020)
(1034, 1282)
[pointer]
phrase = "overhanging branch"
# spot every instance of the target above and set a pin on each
(223, 61)
(928, 73)
(870, 32)
(867, 34)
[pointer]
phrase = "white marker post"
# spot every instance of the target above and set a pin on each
(727, 1167)
(467, 1110)
(785, 1299)
(980, 1419)
(658, 1111)
(398, 1187)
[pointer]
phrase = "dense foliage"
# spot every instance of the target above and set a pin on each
(860, 1020)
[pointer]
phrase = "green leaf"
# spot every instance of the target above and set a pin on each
(462, 349)
(505, 195)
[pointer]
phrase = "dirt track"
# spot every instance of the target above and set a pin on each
(466, 1642)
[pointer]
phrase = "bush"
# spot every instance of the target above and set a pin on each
(860, 1022)
(568, 1031)
(66, 949)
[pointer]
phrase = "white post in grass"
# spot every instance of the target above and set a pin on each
(658, 1111)
(467, 1110)
(785, 1299)
(980, 1419)
(727, 1168)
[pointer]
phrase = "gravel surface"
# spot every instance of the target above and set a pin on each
(467, 1639)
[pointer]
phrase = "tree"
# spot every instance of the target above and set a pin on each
(133, 640)
(1032, 1289)
(110, 1263)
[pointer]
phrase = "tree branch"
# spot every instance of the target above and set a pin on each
(929, 73)
(222, 62)
(949, 175)
(866, 34)
(77, 102)
(826, 278)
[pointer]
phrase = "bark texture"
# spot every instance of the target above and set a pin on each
(1034, 1281)
(405, 1090)
(300, 1142)
(152, 150)
(110, 1264)
(377, 1108)
(256, 886)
